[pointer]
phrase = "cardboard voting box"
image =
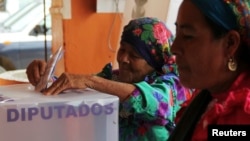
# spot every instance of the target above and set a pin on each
(26, 115)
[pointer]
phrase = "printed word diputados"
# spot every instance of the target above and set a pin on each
(58, 111)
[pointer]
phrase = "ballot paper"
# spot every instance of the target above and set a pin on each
(47, 77)
(27, 115)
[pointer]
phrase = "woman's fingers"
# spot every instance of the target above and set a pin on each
(35, 70)
(64, 82)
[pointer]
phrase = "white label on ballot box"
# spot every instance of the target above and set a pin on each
(27, 115)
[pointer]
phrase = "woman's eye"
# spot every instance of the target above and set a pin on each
(133, 56)
(187, 37)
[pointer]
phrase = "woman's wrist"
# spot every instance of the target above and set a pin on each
(89, 81)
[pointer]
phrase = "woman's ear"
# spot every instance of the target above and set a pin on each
(233, 42)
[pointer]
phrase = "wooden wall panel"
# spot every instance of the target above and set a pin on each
(86, 39)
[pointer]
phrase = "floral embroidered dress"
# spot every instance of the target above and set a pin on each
(231, 107)
(148, 114)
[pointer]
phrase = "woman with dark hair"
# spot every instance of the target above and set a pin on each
(212, 48)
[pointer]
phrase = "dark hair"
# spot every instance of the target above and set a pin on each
(219, 32)
(244, 53)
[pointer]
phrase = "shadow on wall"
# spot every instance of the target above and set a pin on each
(165, 10)
(139, 9)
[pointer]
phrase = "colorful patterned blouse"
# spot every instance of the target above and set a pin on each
(148, 114)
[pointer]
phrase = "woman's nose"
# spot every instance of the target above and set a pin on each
(175, 47)
(124, 57)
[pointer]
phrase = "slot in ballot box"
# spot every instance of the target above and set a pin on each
(87, 115)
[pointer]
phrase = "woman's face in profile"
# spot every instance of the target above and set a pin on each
(200, 58)
(132, 67)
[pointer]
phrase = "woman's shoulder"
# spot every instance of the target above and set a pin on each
(235, 109)
(238, 100)
(239, 93)
(235, 104)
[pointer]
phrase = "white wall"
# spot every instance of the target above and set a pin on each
(151, 8)
(172, 14)
(165, 10)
